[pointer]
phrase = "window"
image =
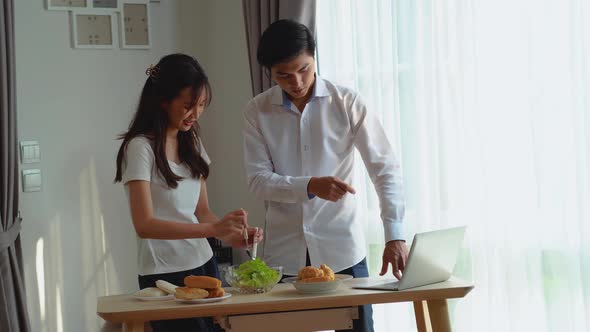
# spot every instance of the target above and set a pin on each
(488, 106)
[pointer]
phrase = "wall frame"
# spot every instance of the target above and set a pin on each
(93, 28)
(135, 31)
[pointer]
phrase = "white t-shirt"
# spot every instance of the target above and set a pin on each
(165, 256)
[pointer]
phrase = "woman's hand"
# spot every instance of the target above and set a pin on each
(231, 225)
(255, 234)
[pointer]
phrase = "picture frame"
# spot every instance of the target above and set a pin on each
(113, 5)
(135, 24)
(93, 28)
(66, 4)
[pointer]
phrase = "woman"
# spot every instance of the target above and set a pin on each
(163, 166)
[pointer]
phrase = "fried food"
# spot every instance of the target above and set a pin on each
(189, 293)
(313, 274)
(310, 272)
(327, 271)
(203, 282)
(217, 292)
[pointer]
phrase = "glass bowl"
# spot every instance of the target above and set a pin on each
(249, 285)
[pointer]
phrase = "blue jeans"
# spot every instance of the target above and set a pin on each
(365, 321)
(177, 278)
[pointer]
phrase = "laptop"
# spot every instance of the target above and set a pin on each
(432, 259)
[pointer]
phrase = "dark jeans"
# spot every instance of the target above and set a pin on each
(177, 278)
(365, 321)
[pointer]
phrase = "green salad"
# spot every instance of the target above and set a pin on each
(256, 274)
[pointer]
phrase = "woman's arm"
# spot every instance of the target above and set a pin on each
(148, 227)
(206, 216)
(203, 212)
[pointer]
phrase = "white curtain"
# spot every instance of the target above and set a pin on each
(488, 106)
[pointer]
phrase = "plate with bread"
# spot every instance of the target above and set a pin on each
(313, 280)
(203, 300)
(197, 289)
(152, 294)
(200, 289)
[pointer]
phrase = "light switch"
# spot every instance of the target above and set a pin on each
(31, 180)
(30, 152)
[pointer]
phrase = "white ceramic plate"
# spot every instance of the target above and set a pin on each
(210, 300)
(317, 287)
(154, 298)
(340, 277)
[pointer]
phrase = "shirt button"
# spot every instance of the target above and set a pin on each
(306, 147)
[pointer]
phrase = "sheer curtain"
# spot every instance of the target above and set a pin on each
(488, 105)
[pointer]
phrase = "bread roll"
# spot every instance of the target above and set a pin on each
(202, 282)
(188, 293)
(150, 292)
(166, 286)
(310, 272)
(316, 279)
(217, 292)
(313, 274)
(327, 271)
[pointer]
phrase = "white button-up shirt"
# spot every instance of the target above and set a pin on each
(284, 148)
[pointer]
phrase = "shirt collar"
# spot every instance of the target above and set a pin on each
(279, 97)
(320, 89)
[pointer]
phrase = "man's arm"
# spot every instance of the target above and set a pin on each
(262, 180)
(385, 172)
(383, 167)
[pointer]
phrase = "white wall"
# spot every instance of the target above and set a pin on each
(217, 39)
(78, 241)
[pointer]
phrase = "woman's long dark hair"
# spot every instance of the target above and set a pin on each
(166, 80)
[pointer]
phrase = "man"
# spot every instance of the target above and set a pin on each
(299, 141)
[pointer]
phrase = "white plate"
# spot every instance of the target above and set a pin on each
(154, 298)
(318, 287)
(197, 301)
(340, 277)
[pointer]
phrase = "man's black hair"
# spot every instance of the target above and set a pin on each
(284, 40)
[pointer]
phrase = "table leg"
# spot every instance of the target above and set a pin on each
(439, 315)
(422, 317)
(133, 327)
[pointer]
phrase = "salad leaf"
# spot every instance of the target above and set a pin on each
(256, 274)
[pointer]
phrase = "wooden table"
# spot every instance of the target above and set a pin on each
(283, 309)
